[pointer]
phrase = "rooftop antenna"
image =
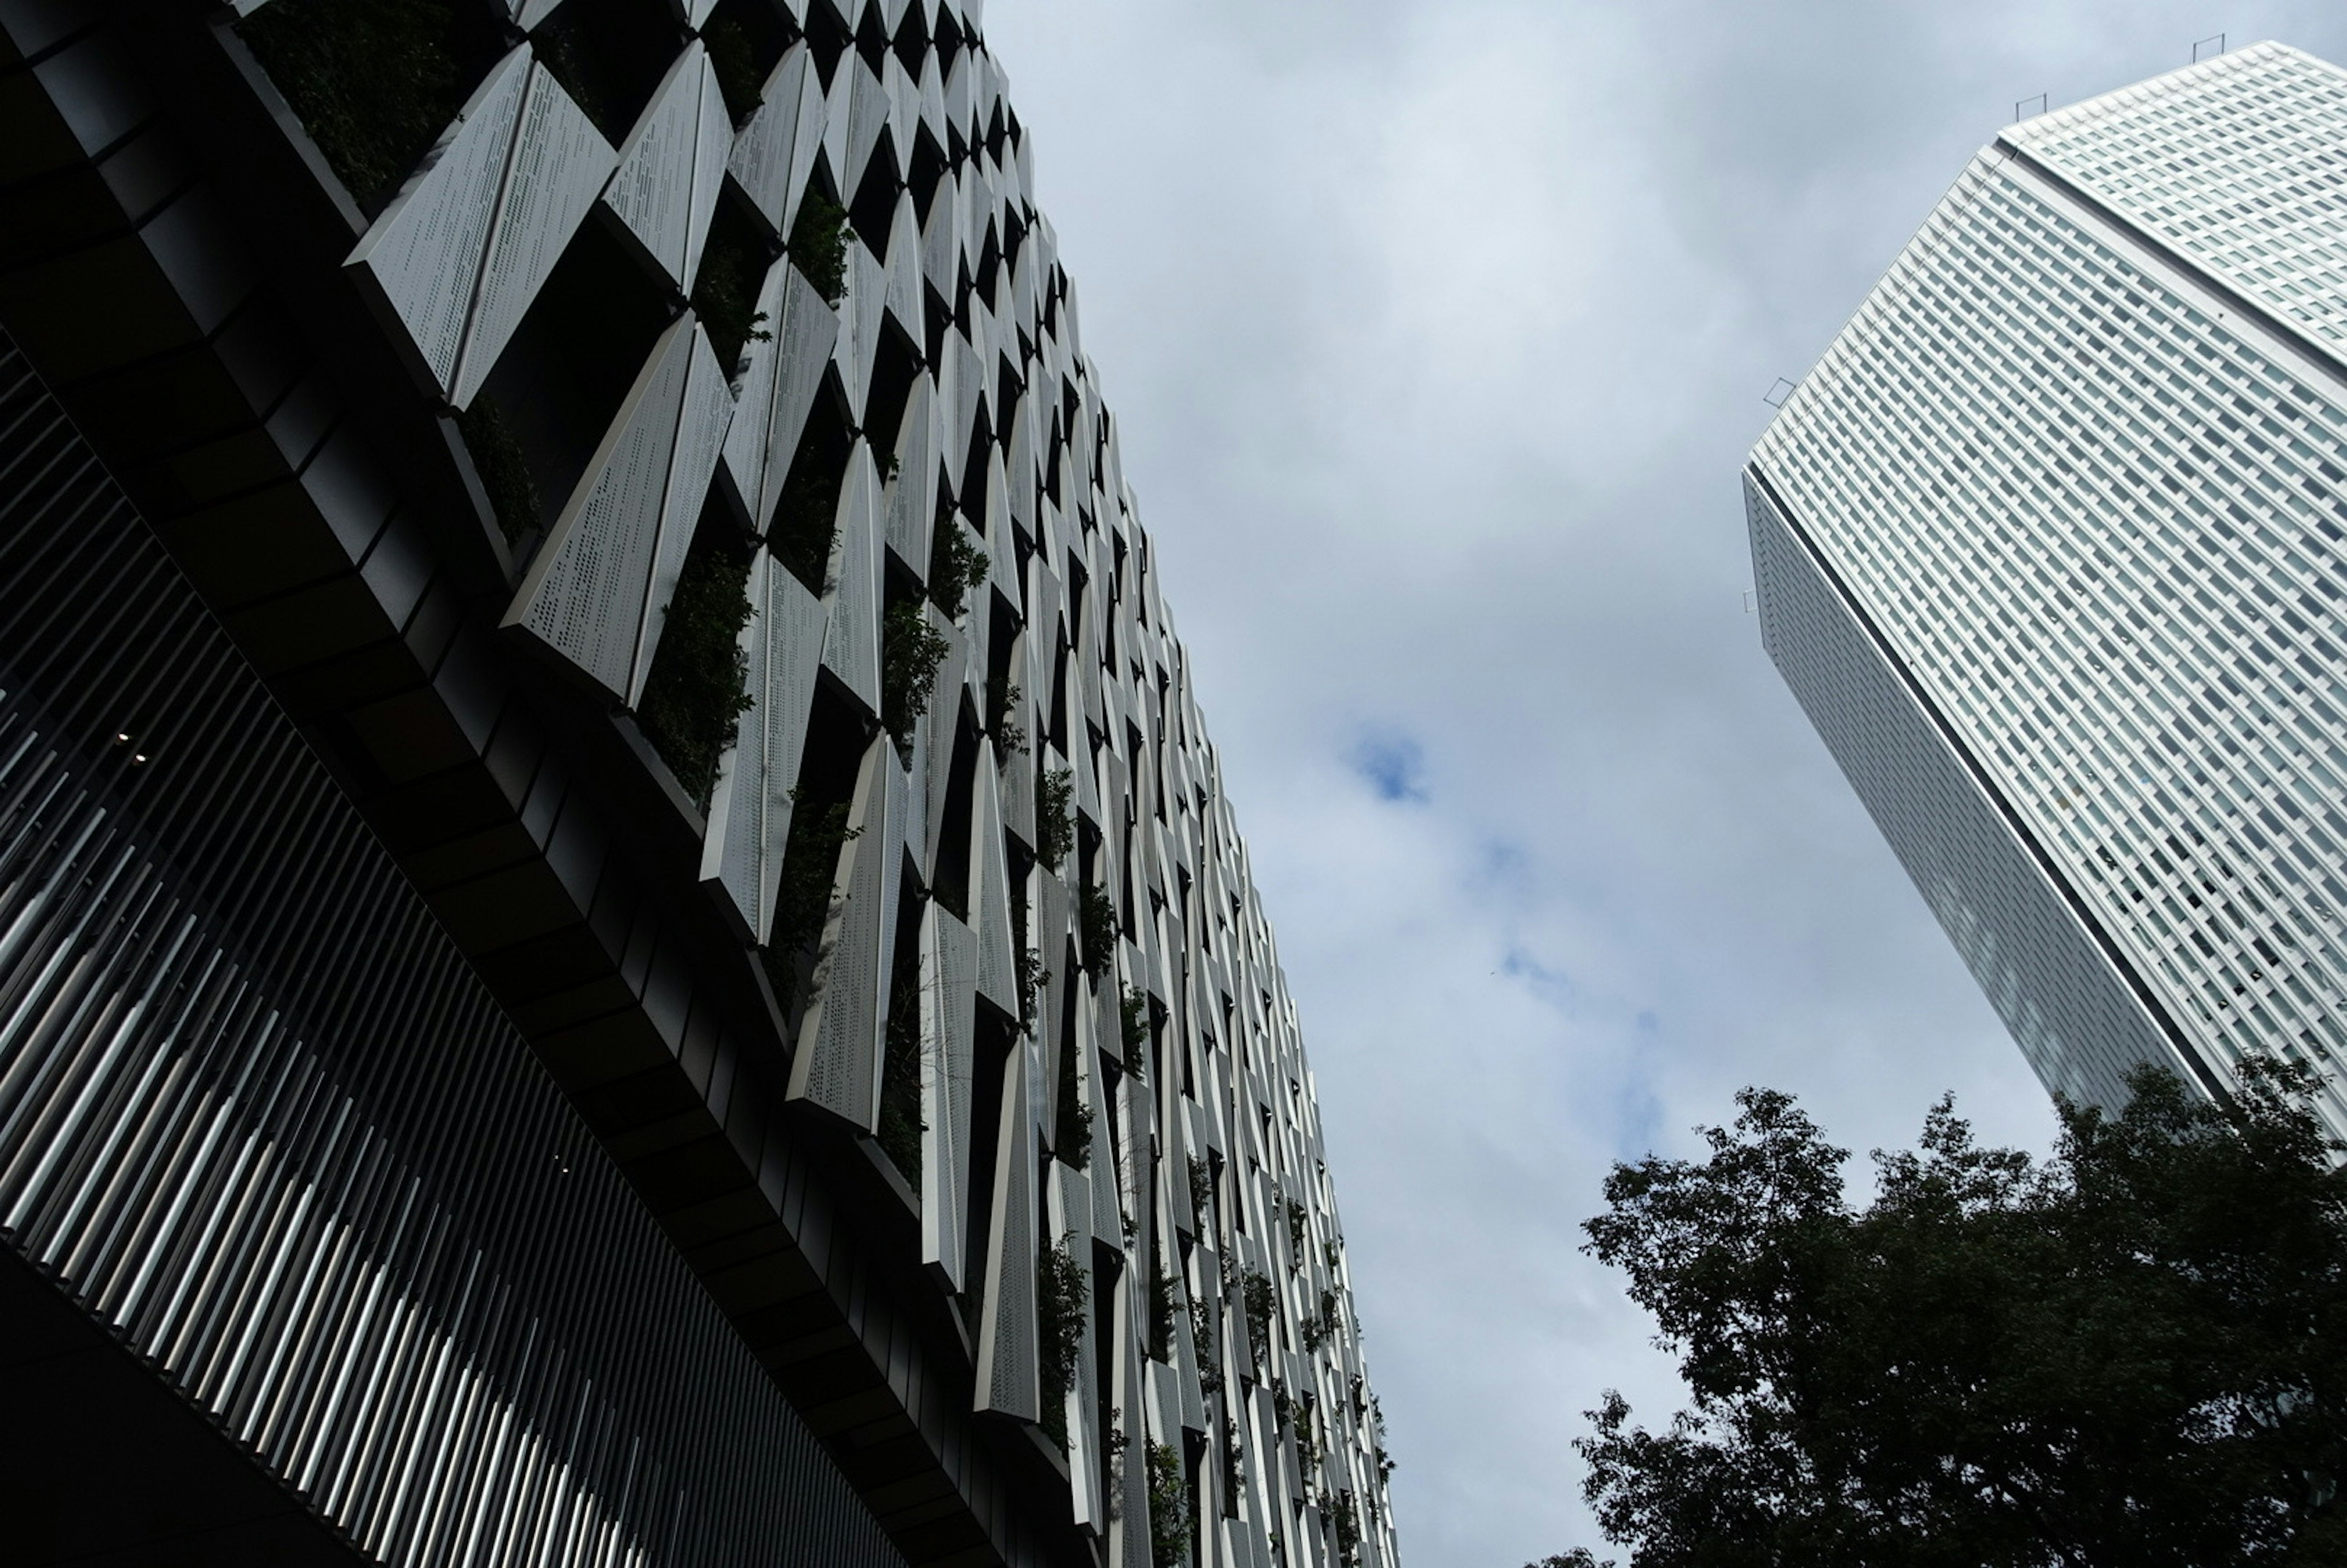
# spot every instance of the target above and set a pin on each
(2040, 100)
(1774, 396)
(2218, 39)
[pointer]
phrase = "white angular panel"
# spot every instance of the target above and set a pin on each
(775, 153)
(1072, 1227)
(941, 240)
(423, 255)
(589, 594)
(861, 313)
(1009, 1380)
(779, 380)
(939, 725)
(702, 425)
(672, 165)
(933, 99)
(558, 164)
(904, 267)
(851, 644)
(901, 97)
(990, 889)
(750, 808)
(837, 1062)
(949, 1022)
(910, 501)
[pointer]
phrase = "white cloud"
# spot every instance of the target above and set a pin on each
(1437, 333)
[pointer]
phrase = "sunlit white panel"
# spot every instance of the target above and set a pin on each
(557, 166)
(851, 647)
(588, 596)
(1008, 1370)
(837, 1062)
(949, 1022)
(774, 152)
(671, 165)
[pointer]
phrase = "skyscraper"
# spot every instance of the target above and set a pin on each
(2051, 547)
(620, 939)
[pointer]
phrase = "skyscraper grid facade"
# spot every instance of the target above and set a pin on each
(2051, 547)
(620, 940)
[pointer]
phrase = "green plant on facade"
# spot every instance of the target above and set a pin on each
(1297, 1221)
(818, 244)
(374, 82)
(1055, 822)
(1096, 929)
(1002, 695)
(1031, 975)
(802, 899)
(726, 295)
(1075, 1137)
(910, 651)
(735, 60)
(700, 682)
(900, 1129)
(1202, 1340)
(1133, 1022)
(958, 568)
(1323, 1324)
(1169, 1508)
(1308, 1455)
(807, 515)
(1202, 1190)
(1344, 1526)
(497, 460)
(1060, 1326)
(1260, 1300)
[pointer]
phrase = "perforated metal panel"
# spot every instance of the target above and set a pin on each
(949, 1021)
(1008, 1378)
(672, 164)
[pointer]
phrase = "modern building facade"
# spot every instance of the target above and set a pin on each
(2051, 547)
(619, 941)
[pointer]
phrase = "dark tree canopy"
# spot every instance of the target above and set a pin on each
(2133, 1353)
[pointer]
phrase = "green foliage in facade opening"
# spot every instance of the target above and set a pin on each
(1134, 1020)
(735, 60)
(699, 685)
(725, 294)
(374, 82)
(910, 651)
(503, 471)
(806, 516)
(1030, 978)
(558, 47)
(1002, 695)
(2133, 1351)
(1323, 1323)
(1061, 1324)
(958, 568)
(1297, 1219)
(1169, 1508)
(1261, 1303)
(900, 1129)
(1055, 822)
(1202, 1192)
(803, 901)
(1202, 1340)
(818, 244)
(1096, 929)
(1345, 1528)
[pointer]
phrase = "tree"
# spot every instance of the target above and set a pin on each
(2134, 1352)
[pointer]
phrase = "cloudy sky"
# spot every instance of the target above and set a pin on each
(1438, 331)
